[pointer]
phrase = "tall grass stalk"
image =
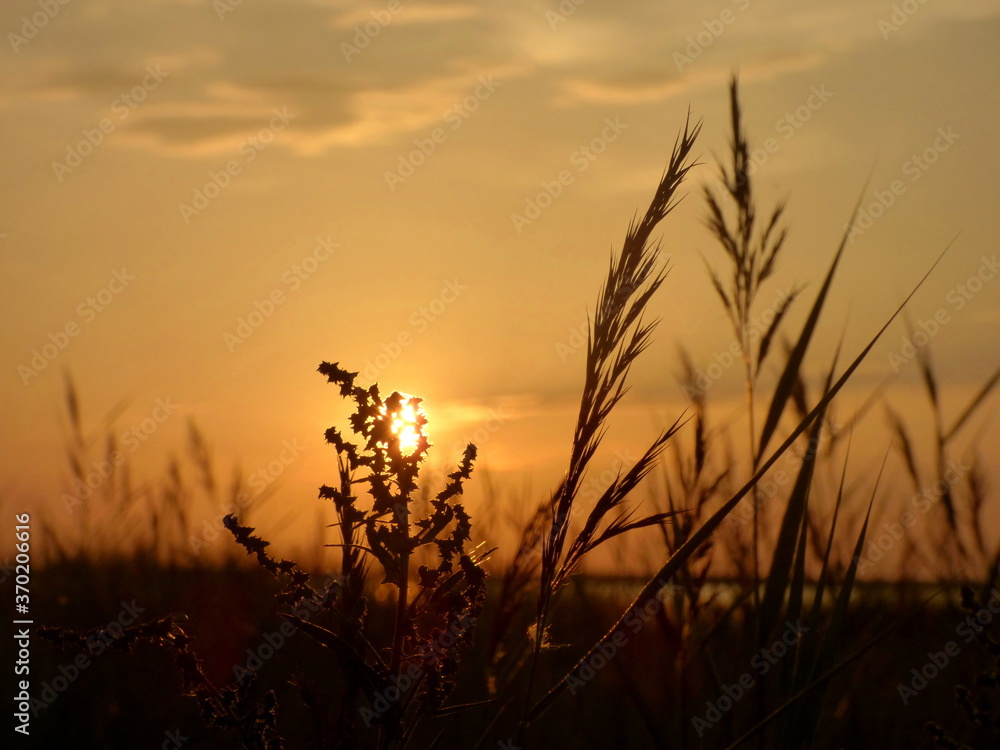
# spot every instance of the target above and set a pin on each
(616, 337)
(753, 254)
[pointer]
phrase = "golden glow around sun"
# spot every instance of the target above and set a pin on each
(406, 426)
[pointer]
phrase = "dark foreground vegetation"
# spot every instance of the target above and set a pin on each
(658, 691)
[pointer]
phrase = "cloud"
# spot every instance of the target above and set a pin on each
(645, 87)
(226, 76)
(328, 113)
(407, 13)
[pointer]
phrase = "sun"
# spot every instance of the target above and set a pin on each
(407, 423)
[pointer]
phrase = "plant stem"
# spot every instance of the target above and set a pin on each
(403, 530)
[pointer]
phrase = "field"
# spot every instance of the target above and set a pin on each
(641, 699)
(778, 615)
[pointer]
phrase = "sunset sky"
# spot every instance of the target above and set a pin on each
(204, 200)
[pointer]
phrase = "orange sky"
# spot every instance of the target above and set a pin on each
(205, 200)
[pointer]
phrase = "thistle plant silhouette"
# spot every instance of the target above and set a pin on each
(448, 598)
